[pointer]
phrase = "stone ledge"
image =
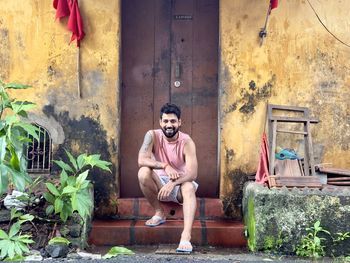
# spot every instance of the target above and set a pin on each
(281, 216)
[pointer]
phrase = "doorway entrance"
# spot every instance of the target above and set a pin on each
(170, 54)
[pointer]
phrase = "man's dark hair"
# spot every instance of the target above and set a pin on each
(169, 108)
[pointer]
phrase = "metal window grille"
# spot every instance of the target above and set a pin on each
(39, 152)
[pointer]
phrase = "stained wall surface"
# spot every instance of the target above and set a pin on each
(299, 64)
(35, 50)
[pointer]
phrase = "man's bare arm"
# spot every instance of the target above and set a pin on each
(145, 153)
(191, 163)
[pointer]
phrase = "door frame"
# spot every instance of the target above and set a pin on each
(219, 108)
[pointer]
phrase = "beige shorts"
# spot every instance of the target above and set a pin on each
(164, 179)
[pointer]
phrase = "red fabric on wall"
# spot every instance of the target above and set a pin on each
(75, 23)
(62, 8)
(273, 3)
(263, 167)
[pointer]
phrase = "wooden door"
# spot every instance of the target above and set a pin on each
(170, 54)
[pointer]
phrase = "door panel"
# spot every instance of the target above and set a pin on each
(164, 41)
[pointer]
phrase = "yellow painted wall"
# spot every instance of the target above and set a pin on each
(299, 64)
(35, 50)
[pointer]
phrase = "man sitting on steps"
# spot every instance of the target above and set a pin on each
(168, 168)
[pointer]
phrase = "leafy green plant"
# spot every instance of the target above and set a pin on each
(72, 192)
(59, 240)
(273, 244)
(115, 251)
(13, 138)
(311, 244)
(341, 237)
(13, 244)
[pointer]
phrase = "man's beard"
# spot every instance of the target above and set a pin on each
(170, 133)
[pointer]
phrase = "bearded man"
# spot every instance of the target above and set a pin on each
(168, 168)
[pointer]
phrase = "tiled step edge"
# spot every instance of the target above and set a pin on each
(134, 232)
(139, 208)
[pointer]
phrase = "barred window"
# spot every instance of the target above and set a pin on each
(39, 152)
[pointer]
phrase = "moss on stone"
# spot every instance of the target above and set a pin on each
(277, 219)
(250, 223)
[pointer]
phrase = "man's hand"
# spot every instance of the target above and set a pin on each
(171, 172)
(166, 190)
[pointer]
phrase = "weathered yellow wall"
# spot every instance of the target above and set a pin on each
(35, 50)
(299, 64)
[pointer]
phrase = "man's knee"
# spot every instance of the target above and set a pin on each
(145, 174)
(187, 188)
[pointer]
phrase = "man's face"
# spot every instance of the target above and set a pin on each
(170, 124)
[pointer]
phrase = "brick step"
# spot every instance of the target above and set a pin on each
(223, 233)
(139, 208)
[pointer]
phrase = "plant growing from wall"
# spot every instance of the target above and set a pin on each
(71, 193)
(13, 138)
(13, 244)
(311, 244)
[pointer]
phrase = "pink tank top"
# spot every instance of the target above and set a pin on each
(170, 152)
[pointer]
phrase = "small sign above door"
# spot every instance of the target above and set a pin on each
(182, 17)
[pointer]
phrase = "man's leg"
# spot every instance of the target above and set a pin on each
(188, 196)
(150, 185)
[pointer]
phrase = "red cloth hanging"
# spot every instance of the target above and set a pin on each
(263, 167)
(75, 22)
(62, 8)
(274, 4)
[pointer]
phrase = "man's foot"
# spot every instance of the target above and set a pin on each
(184, 247)
(155, 220)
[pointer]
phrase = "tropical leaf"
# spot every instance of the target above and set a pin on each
(63, 177)
(49, 209)
(18, 106)
(59, 240)
(15, 213)
(19, 179)
(81, 178)
(66, 212)
(49, 197)
(52, 189)
(4, 244)
(69, 189)
(3, 235)
(94, 160)
(4, 180)
(29, 128)
(58, 205)
(14, 229)
(115, 251)
(25, 218)
(16, 86)
(11, 250)
(64, 166)
(81, 160)
(72, 160)
(18, 249)
(14, 159)
(71, 180)
(3, 145)
(27, 239)
(83, 203)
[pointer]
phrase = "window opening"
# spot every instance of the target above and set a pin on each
(39, 152)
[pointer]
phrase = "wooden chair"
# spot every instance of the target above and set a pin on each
(274, 120)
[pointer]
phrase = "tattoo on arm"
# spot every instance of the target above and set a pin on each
(159, 165)
(147, 142)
